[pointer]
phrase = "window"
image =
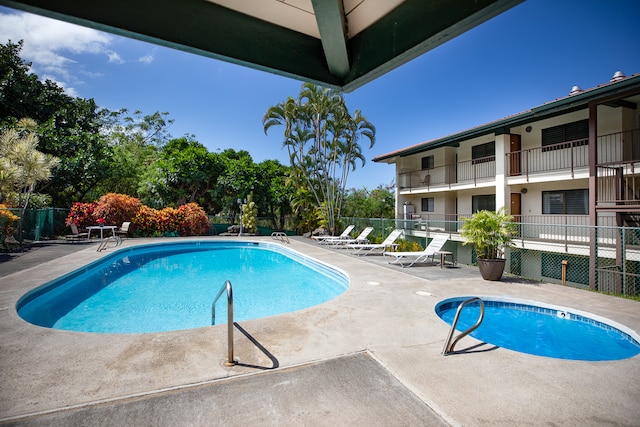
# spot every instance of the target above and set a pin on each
(427, 162)
(483, 202)
(576, 131)
(427, 204)
(566, 202)
(483, 153)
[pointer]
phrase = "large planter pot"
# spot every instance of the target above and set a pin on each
(491, 269)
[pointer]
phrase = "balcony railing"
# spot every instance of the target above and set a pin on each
(619, 184)
(565, 156)
(475, 170)
(619, 147)
(470, 171)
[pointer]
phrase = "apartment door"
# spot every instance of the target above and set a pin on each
(515, 158)
(515, 205)
(515, 208)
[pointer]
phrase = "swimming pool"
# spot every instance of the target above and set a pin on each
(165, 287)
(543, 330)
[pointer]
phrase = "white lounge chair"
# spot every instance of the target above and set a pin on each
(372, 248)
(361, 239)
(344, 235)
(432, 248)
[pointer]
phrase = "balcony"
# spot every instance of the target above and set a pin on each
(447, 176)
(565, 156)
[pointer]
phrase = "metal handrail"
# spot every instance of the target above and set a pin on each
(449, 345)
(280, 235)
(227, 286)
(104, 242)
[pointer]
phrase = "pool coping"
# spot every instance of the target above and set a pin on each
(395, 321)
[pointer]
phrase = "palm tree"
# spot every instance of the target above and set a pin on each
(322, 140)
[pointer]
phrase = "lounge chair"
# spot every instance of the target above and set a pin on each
(123, 231)
(372, 248)
(361, 239)
(75, 234)
(344, 235)
(432, 248)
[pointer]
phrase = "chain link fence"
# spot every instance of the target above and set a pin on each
(554, 253)
(32, 226)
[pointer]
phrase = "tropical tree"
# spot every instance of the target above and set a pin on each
(184, 173)
(322, 139)
(273, 192)
(22, 166)
(237, 180)
(363, 203)
(135, 141)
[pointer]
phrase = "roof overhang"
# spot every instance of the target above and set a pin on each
(337, 43)
(624, 92)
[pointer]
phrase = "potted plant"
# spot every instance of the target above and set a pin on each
(490, 233)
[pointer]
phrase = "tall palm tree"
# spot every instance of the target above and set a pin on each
(322, 140)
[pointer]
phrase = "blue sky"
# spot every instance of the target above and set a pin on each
(527, 56)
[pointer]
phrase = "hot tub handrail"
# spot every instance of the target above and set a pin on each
(448, 344)
(227, 286)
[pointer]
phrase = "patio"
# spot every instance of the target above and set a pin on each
(381, 338)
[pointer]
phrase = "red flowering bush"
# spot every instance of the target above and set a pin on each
(145, 222)
(117, 208)
(195, 221)
(186, 220)
(81, 214)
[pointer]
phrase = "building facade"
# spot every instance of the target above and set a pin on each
(568, 171)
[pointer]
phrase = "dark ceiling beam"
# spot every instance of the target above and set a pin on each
(332, 26)
(622, 103)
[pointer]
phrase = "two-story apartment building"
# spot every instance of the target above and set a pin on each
(568, 170)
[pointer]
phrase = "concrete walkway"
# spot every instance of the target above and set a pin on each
(368, 357)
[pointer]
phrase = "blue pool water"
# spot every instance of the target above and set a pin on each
(156, 288)
(543, 330)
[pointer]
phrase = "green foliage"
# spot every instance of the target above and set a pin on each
(35, 201)
(407, 246)
(489, 232)
(272, 192)
(237, 179)
(184, 173)
(68, 127)
(362, 203)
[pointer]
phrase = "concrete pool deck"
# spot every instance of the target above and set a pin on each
(371, 356)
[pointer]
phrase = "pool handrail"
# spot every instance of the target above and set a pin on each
(227, 286)
(448, 344)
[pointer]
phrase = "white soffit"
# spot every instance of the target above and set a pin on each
(298, 15)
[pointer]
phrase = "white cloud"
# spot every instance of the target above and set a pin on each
(50, 44)
(114, 57)
(147, 59)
